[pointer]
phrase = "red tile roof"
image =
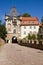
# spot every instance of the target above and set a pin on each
(30, 18)
(29, 21)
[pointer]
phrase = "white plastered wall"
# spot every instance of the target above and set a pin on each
(28, 30)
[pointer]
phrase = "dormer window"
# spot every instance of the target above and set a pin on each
(31, 22)
(24, 22)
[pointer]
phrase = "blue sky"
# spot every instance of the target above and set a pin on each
(33, 7)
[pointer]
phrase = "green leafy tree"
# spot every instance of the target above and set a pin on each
(29, 37)
(33, 36)
(3, 31)
(38, 37)
(41, 29)
(26, 15)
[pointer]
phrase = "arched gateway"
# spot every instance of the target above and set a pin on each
(14, 39)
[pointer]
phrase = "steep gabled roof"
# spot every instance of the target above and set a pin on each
(29, 21)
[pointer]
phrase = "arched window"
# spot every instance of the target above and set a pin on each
(9, 26)
(15, 31)
(30, 32)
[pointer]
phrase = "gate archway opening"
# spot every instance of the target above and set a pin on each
(14, 39)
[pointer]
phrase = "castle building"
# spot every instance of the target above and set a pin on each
(20, 26)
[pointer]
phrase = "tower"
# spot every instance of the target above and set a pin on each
(12, 24)
(13, 12)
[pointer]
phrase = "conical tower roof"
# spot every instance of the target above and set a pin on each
(13, 12)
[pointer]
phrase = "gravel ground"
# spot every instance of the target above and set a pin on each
(14, 54)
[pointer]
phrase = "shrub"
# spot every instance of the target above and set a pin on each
(19, 40)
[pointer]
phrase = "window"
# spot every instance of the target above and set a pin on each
(15, 26)
(14, 23)
(24, 22)
(24, 32)
(9, 27)
(30, 27)
(19, 35)
(24, 27)
(31, 22)
(30, 32)
(15, 31)
(34, 27)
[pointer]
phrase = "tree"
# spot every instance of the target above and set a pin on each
(33, 36)
(29, 37)
(26, 15)
(41, 29)
(38, 37)
(3, 31)
(0, 22)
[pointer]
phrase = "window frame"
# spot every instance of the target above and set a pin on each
(14, 31)
(30, 27)
(34, 27)
(24, 32)
(30, 32)
(24, 27)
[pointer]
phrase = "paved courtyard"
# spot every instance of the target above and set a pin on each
(14, 54)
